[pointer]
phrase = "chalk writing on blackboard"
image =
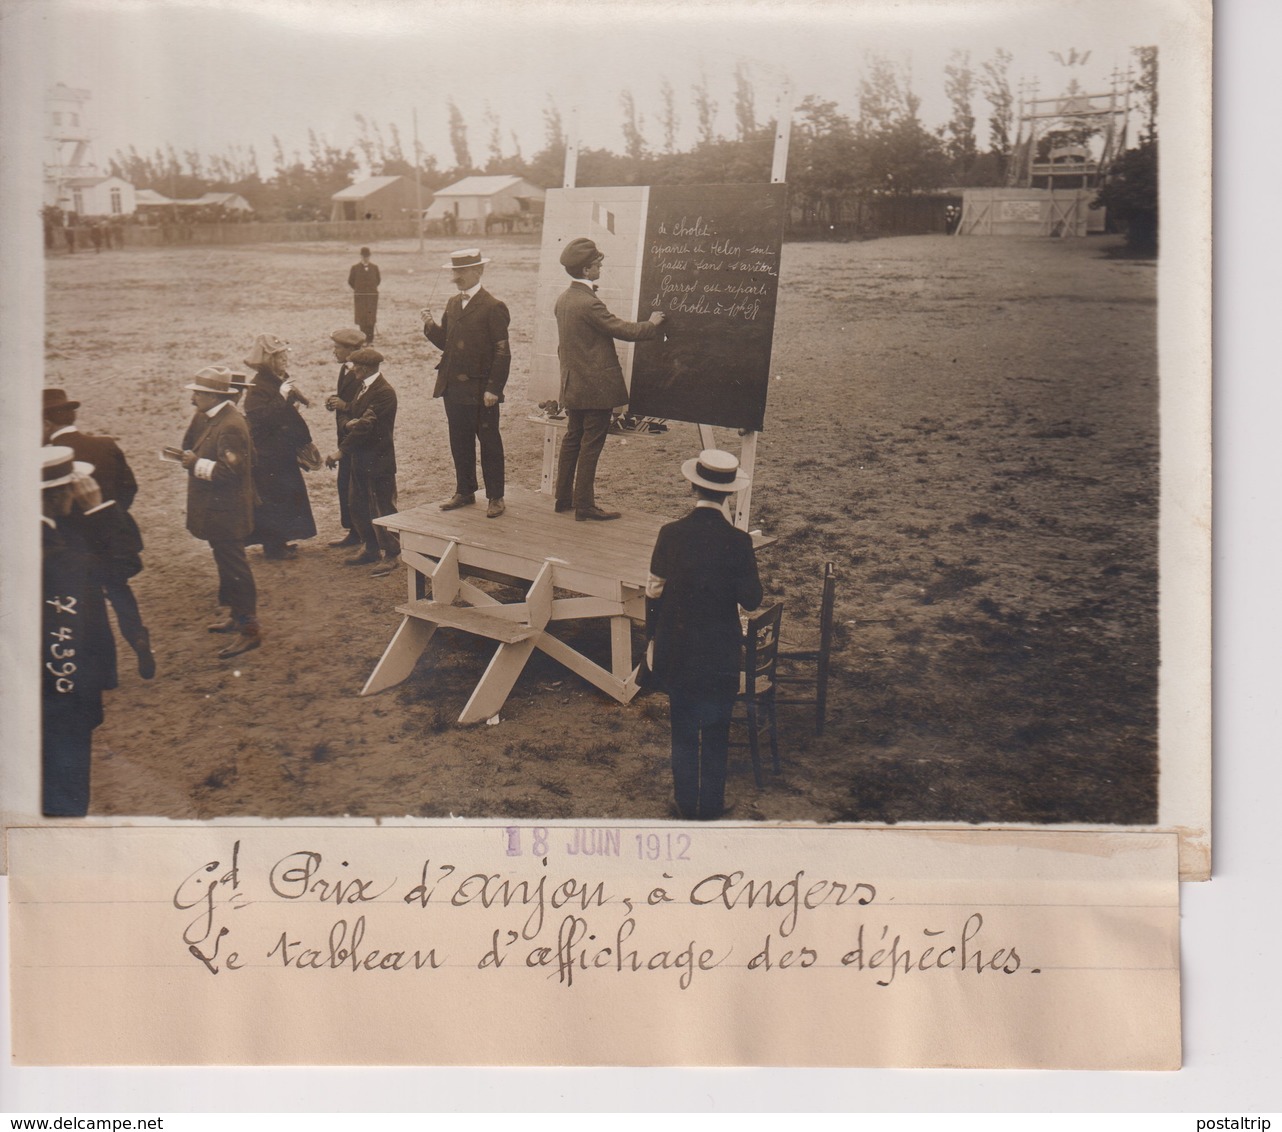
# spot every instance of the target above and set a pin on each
(711, 264)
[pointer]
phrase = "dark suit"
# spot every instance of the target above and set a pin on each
(282, 509)
(220, 502)
(591, 385)
(368, 442)
(709, 570)
(476, 359)
(77, 654)
(348, 386)
(364, 279)
(116, 480)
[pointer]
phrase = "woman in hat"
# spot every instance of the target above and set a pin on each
(282, 512)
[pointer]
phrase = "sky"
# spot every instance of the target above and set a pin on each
(211, 74)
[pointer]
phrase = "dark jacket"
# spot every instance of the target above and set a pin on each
(369, 439)
(282, 510)
(476, 357)
(364, 281)
(709, 569)
(591, 377)
(115, 478)
(220, 506)
(348, 386)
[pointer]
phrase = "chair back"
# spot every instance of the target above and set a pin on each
(761, 650)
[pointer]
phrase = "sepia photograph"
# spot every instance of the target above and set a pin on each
(550, 412)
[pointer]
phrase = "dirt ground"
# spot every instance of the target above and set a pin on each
(966, 427)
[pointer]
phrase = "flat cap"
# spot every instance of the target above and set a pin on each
(578, 253)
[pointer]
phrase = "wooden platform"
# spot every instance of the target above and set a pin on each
(569, 570)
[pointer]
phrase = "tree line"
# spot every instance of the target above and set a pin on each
(881, 149)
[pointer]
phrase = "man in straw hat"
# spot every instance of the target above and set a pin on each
(364, 279)
(369, 443)
(702, 571)
(470, 376)
(116, 481)
(339, 403)
(220, 498)
(81, 533)
(591, 377)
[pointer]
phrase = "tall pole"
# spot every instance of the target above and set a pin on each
(418, 185)
(571, 151)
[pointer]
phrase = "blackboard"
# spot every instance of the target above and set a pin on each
(710, 263)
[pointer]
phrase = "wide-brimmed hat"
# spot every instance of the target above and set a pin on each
(468, 257)
(578, 253)
(716, 470)
(217, 379)
(265, 347)
(347, 337)
(366, 356)
(58, 464)
(57, 399)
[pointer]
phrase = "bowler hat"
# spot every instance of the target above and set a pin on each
(364, 251)
(57, 399)
(58, 464)
(367, 356)
(468, 257)
(348, 337)
(715, 470)
(217, 379)
(578, 253)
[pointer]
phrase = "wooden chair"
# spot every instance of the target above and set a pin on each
(795, 659)
(757, 684)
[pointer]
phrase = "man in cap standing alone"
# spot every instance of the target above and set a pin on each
(702, 571)
(470, 376)
(364, 279)
(220, 498)
(591, 377)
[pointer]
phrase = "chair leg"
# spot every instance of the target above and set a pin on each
(754, 744)
(774, 734)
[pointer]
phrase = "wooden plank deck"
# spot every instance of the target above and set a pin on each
(531, 531)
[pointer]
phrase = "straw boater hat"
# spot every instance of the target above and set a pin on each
(579, 253)
(267, 346)
(347, 337)
(217, 379)
(57, 399)
(58, 465)
(468, 257)
(716, 470)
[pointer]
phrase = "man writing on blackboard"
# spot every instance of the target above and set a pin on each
(591, 377)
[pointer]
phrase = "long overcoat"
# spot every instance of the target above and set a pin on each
(282, 511)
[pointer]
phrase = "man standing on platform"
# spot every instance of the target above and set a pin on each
(220, 498)
(345, 342)
(470, 376)
(368, 443)
(702, 571)
(116, 481)
(591, 377)
(364, 279)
